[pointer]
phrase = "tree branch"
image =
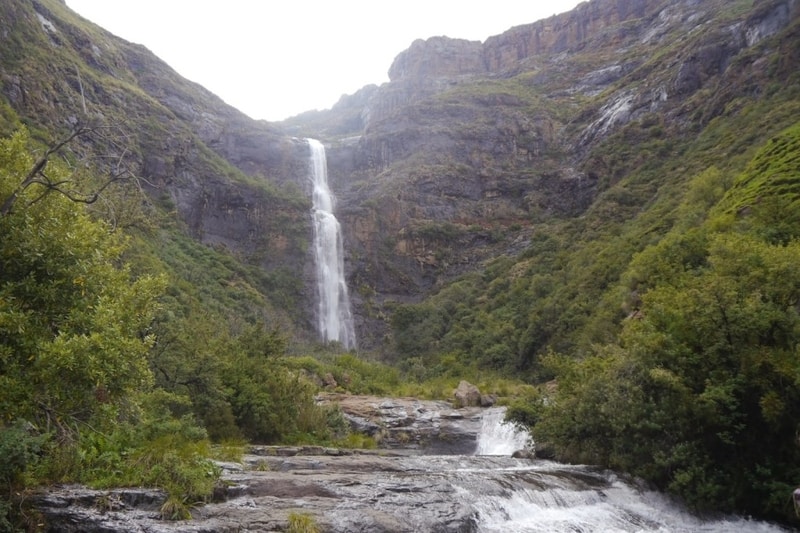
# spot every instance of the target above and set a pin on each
(38, 169)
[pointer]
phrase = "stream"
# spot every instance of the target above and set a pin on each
(399, 490)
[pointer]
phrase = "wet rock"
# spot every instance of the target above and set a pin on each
(347, 494)
(410, 424)
(523, 454)
(488, 400)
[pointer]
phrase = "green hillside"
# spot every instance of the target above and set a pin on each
(604, 233)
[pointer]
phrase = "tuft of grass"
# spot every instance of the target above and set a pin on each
(357, 441)
(302, 523)
(175, 508)
(229, 450)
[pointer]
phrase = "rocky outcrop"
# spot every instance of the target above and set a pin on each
(410, 424)
(470, 144)
(371, 493)
(568, 31)
(466, 395)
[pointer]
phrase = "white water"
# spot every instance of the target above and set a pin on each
(577, 500)
(524, 496)
(498, 437)
(334, 318)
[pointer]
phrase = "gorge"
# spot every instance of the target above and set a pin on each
(594, 217)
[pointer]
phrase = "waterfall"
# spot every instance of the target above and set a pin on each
(498, 437)
(334, 318)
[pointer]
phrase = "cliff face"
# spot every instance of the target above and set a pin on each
(469, 148)
(231, 181)
(470, 144)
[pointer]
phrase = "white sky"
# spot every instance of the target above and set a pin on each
(275, 59)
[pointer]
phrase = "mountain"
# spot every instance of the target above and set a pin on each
(575, 126)
(227, 181)
(605, 201)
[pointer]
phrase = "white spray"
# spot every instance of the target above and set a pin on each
(334, 318)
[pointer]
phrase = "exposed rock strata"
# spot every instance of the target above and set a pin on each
(420, 426)
(453, 162)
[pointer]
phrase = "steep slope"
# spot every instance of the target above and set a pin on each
(568, 130)
(573, 134)
(228, 181)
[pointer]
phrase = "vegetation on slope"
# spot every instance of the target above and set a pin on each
(700, 391)
(117, 367)
(667, 313)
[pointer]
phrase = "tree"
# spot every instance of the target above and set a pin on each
(701, 394)
(73, 323)
(68, 183)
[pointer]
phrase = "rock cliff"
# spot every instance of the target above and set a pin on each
(454, 161)
(471, 144)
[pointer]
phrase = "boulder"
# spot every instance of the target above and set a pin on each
(523, 454)
(488, 400)
(467, 395)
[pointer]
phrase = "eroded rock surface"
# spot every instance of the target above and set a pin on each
(418, 426)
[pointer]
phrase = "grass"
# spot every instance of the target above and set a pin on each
(302, 523)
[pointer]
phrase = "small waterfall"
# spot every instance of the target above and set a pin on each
(334, 318)
(498, 437)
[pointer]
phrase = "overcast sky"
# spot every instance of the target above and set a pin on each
(273, 60)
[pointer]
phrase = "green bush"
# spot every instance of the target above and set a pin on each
(19, 447)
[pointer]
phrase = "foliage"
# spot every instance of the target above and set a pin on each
(302, 523)
(157, 450)
(73, 323)
(75, 332)
(702, 382)
(19, 448)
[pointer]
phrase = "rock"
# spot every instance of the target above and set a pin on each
(329, 381)
(418, 426)
(467, 395)
(488, 400)
(523, 454)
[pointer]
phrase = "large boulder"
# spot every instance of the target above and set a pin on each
(466, 395)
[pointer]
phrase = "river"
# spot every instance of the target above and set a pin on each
(404, 491)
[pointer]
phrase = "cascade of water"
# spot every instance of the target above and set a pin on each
(334, 318)
(551, 498)
(498, 437)
(546, 497)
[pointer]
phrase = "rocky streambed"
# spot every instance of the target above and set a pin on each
(417, 487)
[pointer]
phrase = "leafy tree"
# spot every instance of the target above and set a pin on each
(702, 393)
(75, 329)
(73, 324)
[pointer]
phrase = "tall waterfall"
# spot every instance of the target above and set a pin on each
(334, 318)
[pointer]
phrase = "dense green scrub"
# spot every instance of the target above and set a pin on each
(667, 315)
(114, 369)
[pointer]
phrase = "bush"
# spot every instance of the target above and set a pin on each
(19, 447)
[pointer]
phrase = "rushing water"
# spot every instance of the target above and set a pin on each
(498, 437)
(510, 495)
(334, 318)
(404, 493)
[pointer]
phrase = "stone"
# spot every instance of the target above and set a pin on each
(329, 381)
(466, 395)
(488, 400)
(410, 424)
(523, 454)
